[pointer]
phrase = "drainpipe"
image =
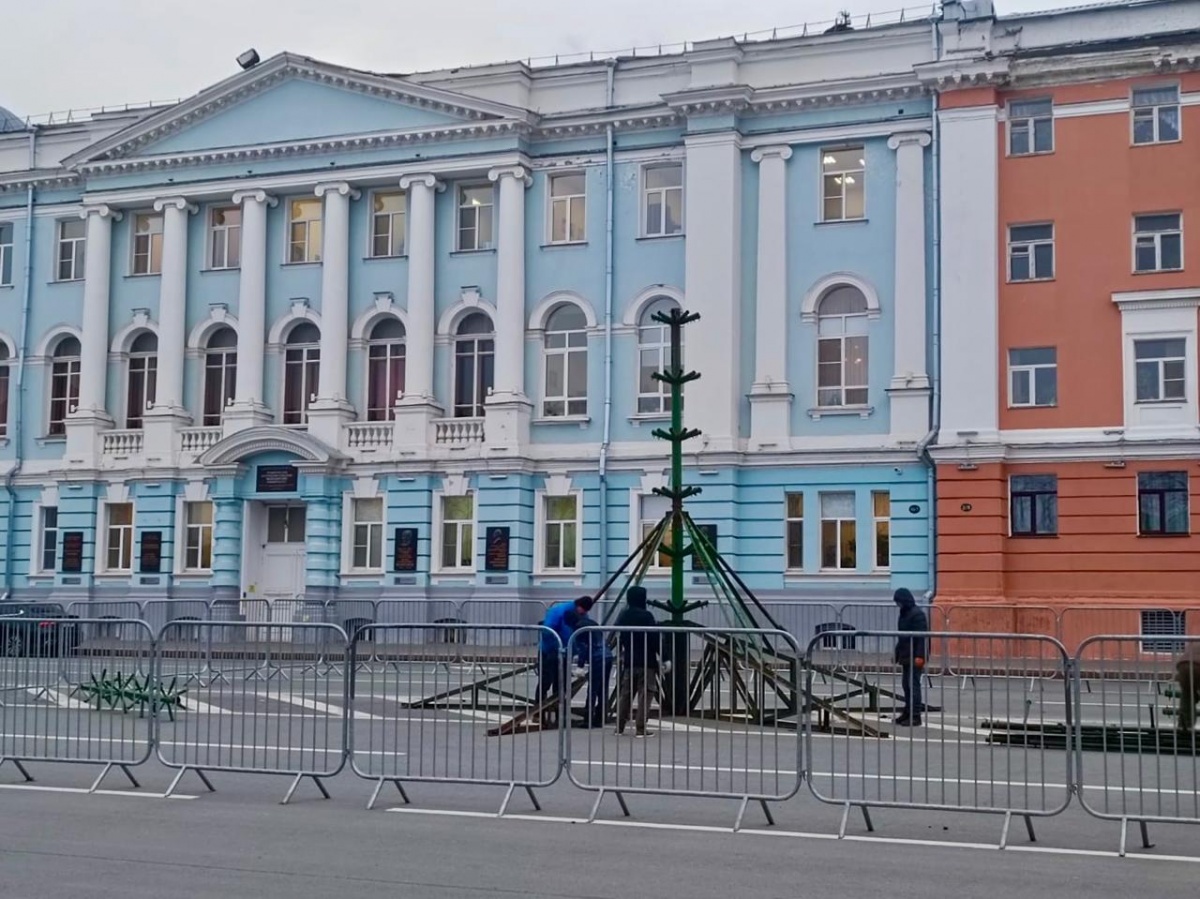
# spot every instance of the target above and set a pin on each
(15, 434)
(935, 353)
(611, 65)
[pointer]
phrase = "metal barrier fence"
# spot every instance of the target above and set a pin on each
(726, 702)
(972, 756)
(470, 709)
(266, 710)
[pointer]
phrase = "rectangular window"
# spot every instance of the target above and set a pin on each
(839, 544)
(475, 206)
(4, 397)
(1162, 623)
(561, 533)
(795, 531)
(367, 550)
(1030, 252)
(1158, 242)
(142, 387)
(1156, 115)
(1030, 127)
(118, 526)
(653, 508)
(147, 244)
(1163, 502)
(387, 224)
(225, 237)
(843, 177)
(1161, 370)
(6, 254)
(881, 507)
(72, 241)
(64, 389)
(287, 524)
(1033, 501)
(304, 230)
(198, 536)
(458, 531)
(1033, 377)
(48, 546)
(568, 208)
(662, 200)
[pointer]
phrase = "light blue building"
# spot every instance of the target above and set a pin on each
(316, 332)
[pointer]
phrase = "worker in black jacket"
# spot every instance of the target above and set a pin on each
(910, 656)
(637, 664)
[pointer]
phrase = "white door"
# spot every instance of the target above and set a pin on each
(281, 570)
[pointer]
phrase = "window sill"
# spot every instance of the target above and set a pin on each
(661, 236)
(1162, 535)
(1049, 280)
(559, 575)
(50, 440)
(861, 221)
(580, 420)
(1034, 406)
(1159, 271)
(217, 271)
(192, 575)
(454, 572)
(54, 281)
(650, 417)
(307, 262)
(113, 575)
(1155, 143)
(819, 412)
(388, 258)
(137, 276)
(1012, 155)
(1032, 536)
(561, 244)
(1163, 404)
(6, 287)
(480, 251)
(363, 575)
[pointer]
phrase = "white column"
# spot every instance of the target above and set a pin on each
(172, 300)
(770, 394)
(508, 410)
(248, 408)
(332, 408)
(418, 373)
(970, 368)
(713, 272)
(909, 390)
(97, 272)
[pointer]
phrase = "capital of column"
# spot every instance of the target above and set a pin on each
(179, 203)
(339, 187)
(783, 152)
(909, 139)
(101, 210)
(426, 180)
(518, 172)
(254, 196)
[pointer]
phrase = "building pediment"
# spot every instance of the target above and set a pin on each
(251, 442)
(293, 99)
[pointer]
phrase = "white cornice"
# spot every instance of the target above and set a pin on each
(880, 89)
(1181, 298)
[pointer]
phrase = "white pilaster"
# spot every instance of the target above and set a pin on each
(909, 390)
(970, 368)
(248, 409)
(332, 409)
(713, 272)
(418, 407)
(770, 394)
(508, 410)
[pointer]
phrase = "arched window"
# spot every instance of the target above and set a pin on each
(142, 378)
(565, 356)
(842, 347)
(654, 354)
(301, 369)
(220, 374)
(474, 365)
(385, 369)
(64, 385)
(3, 390)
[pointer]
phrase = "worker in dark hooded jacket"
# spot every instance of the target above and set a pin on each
(637, 665)
(1187, 675)
(910, 656)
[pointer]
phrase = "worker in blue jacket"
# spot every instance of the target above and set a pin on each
(593, 653)
(562, 618)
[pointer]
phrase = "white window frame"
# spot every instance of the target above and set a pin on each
(312, 254)
(390, 218)
(644, 194)
(788, 520)
(1031, 369)
(78, 251)
(1157, 236)
(460, 205)
(351, 523)
(860, 171)
(36, 565)
(310, 393)
(659, 564)
(225, 373)
(1161, 361)
(1029, 248)
(841, 522)
(6, 253)
(878, 521)
(662, 346)
(1154, 114)
(74, 372)
(566, 351)
(439, 499)
(135, 419)
(568, 201)
(1030, 123)
(106, 537)
(185, 530)
(845, 320)
(542, 524)
(394, 348)
(152, 236)
(226, 232)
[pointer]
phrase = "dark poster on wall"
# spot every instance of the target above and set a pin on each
(72, 551)
(404, 556)
(276, 479)
(495, 556)
(150, 552)
(709, 533)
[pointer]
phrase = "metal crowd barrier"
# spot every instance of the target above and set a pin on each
(719, 712)
(455, 703)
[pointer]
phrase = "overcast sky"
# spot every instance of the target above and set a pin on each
(71, 54)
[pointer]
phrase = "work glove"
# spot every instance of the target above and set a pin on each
(919, 662)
